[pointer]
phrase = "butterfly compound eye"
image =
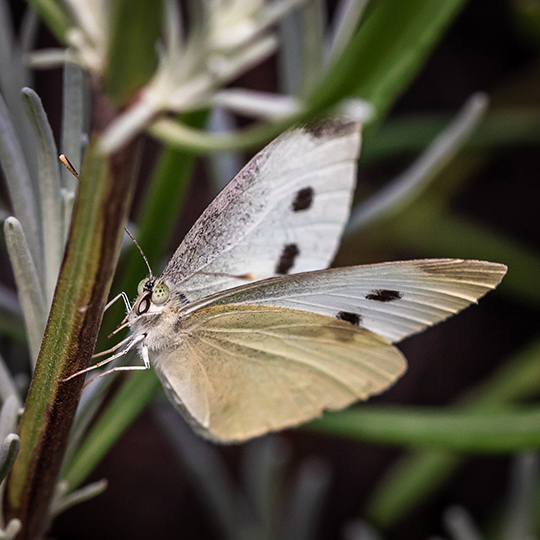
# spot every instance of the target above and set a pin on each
(160, 294)
(140, 286)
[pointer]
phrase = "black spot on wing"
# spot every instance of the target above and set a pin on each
(330, 127)
(349, 317)
(303, 199)
(287, 258)
(384, 295)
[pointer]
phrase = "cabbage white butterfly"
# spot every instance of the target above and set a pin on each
(298, 339)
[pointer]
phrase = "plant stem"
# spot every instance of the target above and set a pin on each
(100, 211)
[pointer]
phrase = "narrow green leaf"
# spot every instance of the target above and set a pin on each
(127, 405)
(21, 192)
(195, 140)
(391, 45)
(488, 432)
(312, 15)
(29, 287)
(416, 476)
(54, 14)
(49, 183)
(13, 328)
(408, 483)
(346, 21)
(132, 54)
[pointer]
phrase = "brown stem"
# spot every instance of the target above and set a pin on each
(101, 208)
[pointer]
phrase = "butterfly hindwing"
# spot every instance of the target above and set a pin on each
(393, 300)
(283, 213)
(240, 371)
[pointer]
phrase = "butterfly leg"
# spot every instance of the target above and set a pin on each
(124, 297)
(132, 343)
(114, 348)
(145, 357)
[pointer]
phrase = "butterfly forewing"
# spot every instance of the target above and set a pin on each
(283, 213)
(241, 371)
(393, 300)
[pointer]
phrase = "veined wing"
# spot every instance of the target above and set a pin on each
(237, 372)
(393, 300)
(283, 213)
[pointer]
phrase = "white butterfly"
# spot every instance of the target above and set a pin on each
(240, 361)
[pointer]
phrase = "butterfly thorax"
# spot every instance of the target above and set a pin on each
(155, 314)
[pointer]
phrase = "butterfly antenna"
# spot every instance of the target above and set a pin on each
(67, 164)
(141, 252)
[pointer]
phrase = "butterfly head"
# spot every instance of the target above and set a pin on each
(153, 294)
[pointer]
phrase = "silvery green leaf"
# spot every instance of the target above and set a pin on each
(205, 467)
(11, 530)
(49, 58)
(86, 493)
(263, 474)
(29, 30)
(346, 20)
(272, 12)
(173, 30)
(9, 414)
(7, 37)
(13, 76)
(290, 55)
(410, 184)
(19, 184)
(8, 386)
(257, 104)
(226, 67)
(520, 513)
(28, 285)
(72, 123)
(9, 448)
(223, 165)
(51, 199)
(460, 525)
(302, 513)
(313, 23)
(68, 199)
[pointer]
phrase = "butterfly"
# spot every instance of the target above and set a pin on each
(248, 330)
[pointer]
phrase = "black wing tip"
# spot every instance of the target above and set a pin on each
(330, 127)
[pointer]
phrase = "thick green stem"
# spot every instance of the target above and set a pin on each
(100, 212)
